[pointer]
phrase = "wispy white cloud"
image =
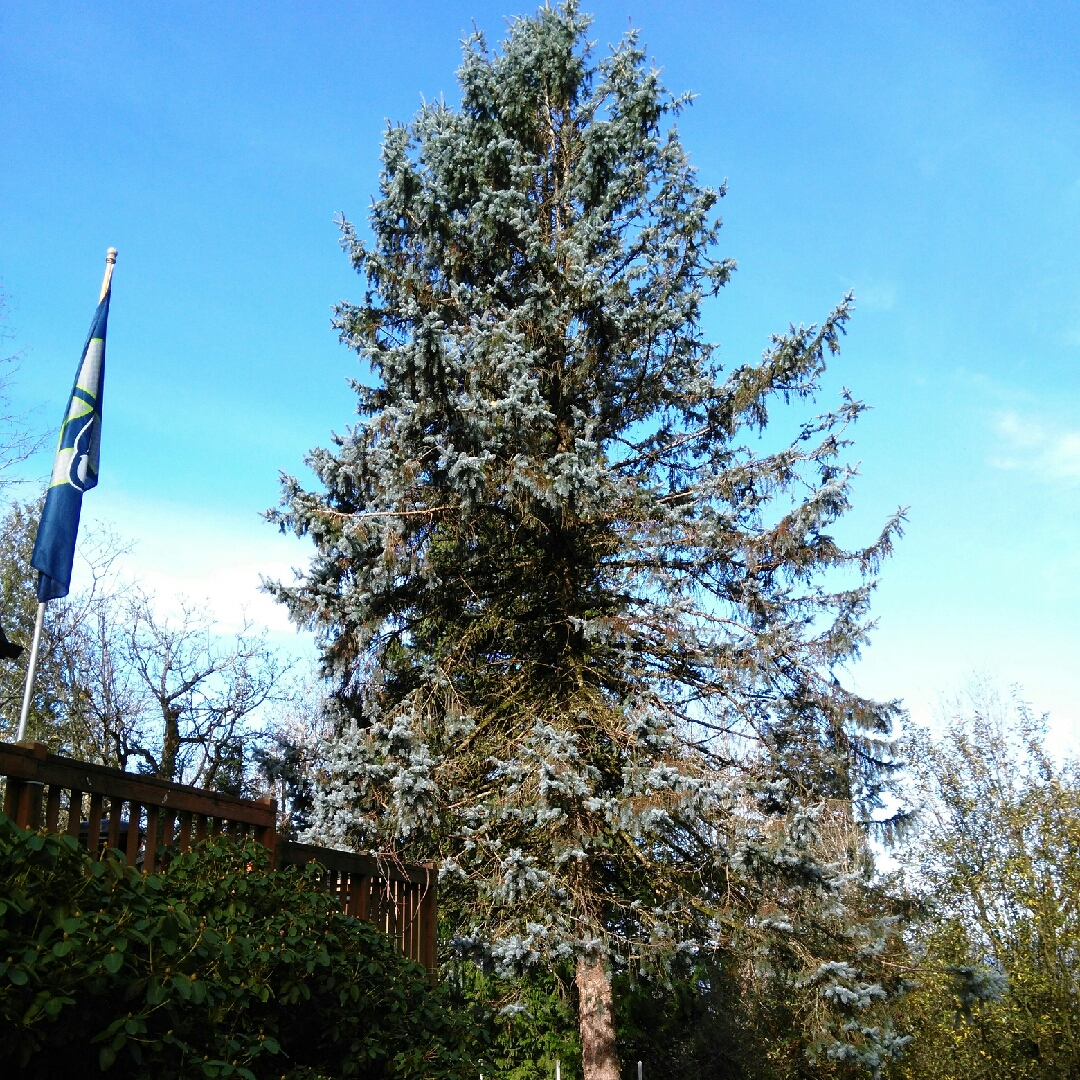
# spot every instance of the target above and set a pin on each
(876, 296)
(1037, 448)
(211, 558)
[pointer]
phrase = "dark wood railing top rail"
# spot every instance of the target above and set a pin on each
(397, 897)
(348, 862)
(36, 764)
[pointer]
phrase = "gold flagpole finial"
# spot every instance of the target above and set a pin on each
(110, 262)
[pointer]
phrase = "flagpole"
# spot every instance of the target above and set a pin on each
(31, 670)
(110, 262)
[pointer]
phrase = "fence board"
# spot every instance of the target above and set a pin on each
(74, 812)
(184, 835)
(150, 859)
(52, 808)
(131, 851)
(115, 810)
(93, 825)
(166, 828)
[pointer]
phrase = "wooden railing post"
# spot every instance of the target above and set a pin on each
(429, 928)
(267, 834)
(22, 798)
(151, 845)
(13, 791)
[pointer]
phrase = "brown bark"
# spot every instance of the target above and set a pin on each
(170, 744)
(596, 1019)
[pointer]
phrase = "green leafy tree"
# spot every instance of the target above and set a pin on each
(61, 714)
(996, 868)
(583, 633)
(529, 1024)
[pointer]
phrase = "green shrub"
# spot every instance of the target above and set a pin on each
(218, 966)
(530, 1021)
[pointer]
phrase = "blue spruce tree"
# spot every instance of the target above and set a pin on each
(582, 634)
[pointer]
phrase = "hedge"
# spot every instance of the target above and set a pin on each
(217, 966)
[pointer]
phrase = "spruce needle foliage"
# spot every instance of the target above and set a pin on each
(582, 627)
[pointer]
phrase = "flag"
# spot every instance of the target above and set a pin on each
(75, 467)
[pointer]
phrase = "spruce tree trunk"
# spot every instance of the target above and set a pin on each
(596, 1019)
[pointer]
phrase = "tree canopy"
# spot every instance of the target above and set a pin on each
(584, 629)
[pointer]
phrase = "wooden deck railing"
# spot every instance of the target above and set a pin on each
(142, 816)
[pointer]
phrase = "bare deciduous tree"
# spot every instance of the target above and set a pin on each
(17, 440)
(123, 684)
(173, 694)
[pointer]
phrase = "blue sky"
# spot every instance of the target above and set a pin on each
(925, 155)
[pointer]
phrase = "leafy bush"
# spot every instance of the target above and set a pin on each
(530, 1021)
(218, 966)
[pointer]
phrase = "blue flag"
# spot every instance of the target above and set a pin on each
(75, 467)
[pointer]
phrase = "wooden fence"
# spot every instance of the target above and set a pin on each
(142, 816)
